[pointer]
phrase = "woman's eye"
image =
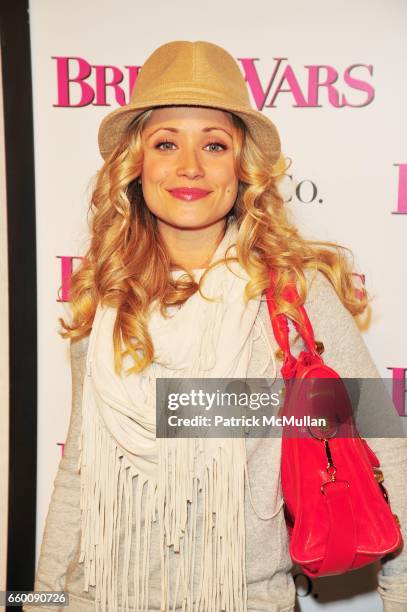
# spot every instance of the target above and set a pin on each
(161, 146)
(217, 144)
(164, 142)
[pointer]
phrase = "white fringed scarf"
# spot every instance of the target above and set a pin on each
(118, 444)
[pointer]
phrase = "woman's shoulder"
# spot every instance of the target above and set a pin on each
(318, 286)
(321, 295)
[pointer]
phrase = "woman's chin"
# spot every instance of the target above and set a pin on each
(190, 221)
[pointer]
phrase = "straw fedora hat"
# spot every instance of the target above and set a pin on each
(189, 73)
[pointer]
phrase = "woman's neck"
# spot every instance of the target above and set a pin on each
(192, 248)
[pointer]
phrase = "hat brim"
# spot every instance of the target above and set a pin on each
(115, 124)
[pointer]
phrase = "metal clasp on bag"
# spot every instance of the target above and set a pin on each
(330, 468)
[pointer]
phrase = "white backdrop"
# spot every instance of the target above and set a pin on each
(347, 143)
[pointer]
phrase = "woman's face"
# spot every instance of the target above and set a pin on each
(188, 148)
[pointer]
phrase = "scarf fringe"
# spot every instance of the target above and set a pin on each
(222, 580)
(107, 494)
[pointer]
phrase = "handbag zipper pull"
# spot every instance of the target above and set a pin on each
(330, 468)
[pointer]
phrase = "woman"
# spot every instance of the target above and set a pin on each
(142, 523)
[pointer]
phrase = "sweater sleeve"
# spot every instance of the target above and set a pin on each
(347, 353)
(62, 526)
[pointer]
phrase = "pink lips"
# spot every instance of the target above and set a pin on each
(188, 194)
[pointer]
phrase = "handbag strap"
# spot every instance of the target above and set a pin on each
(280, 324)
(341, 545)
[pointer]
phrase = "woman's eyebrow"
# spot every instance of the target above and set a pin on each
(175, 130)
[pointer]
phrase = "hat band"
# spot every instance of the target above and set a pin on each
(186, 91)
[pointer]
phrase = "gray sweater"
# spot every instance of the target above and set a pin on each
(268, 564)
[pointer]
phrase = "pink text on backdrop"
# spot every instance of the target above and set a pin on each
(66, 273)
(88, 84)
(399, 390)
(402, 190)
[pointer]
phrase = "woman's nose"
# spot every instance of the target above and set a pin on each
(189, 164)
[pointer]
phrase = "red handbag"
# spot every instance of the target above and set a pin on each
(336, 508)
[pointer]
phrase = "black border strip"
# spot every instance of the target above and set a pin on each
(22, 276)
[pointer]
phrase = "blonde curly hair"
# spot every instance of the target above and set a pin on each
(127, 266)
